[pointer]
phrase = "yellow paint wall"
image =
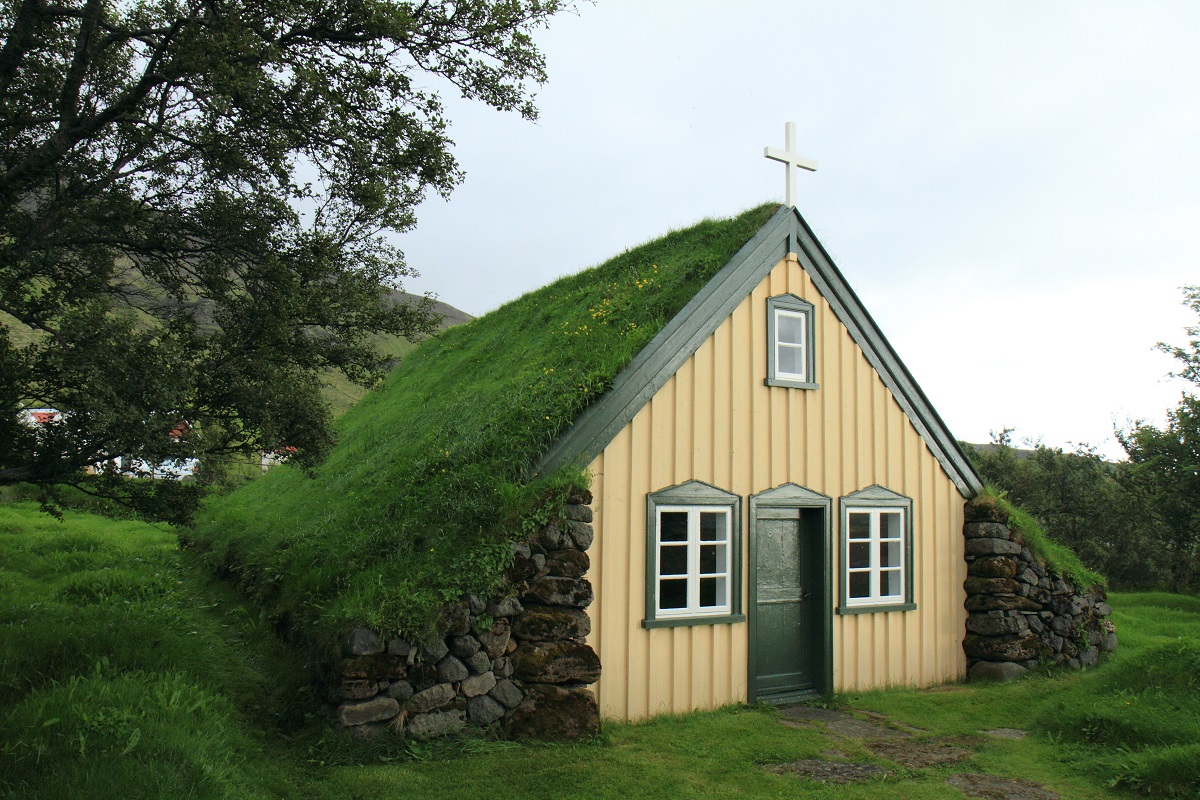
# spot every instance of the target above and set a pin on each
(715, 421)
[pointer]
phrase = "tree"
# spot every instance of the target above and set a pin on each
(1084, 502)
(1165, 463)
(194, 198)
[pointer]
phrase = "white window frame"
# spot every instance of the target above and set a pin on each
(693, 574)
(694, 498)
(802, 346)
(789, 306)
(874, 569)
(874, 501)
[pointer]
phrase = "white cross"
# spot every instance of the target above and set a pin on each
(791, 158)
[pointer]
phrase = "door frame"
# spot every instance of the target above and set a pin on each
(791, 495)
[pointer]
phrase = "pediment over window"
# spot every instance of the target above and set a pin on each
(791, 495)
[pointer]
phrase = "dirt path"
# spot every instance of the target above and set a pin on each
(907, 747)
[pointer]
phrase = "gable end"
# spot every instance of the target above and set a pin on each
(786, 232)
(670, 348)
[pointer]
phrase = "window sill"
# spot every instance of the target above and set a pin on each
(879, 609)
(790, 384)
(679, 622)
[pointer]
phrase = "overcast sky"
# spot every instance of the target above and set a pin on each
(1012, 188)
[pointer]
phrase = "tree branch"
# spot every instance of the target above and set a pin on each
(20, 39)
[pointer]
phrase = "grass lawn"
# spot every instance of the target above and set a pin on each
(125, 672)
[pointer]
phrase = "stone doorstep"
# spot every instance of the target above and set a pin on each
(839, 722)
(905, 752)
(811, 714)
(991, 787)
(921, 754)
(829, 771)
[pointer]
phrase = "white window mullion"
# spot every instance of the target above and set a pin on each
(693, 581)
(873, 555)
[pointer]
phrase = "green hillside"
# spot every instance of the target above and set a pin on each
(428, 485)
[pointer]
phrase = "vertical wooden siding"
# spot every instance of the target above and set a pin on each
(715, 421)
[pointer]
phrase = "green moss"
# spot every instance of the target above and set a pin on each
(1056, 555)
(428, 486)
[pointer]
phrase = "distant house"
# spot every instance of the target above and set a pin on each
(40, 416)
(273, 458)
(778, 507)
(174, 469)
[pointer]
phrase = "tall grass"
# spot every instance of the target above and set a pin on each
(121, 676)
(1133, 722)
(1143, 711)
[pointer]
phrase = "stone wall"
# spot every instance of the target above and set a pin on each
(516, 662)
(1022, 613)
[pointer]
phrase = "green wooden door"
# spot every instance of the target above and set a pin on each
(789, 632)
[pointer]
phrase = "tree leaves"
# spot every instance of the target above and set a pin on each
(194, 201)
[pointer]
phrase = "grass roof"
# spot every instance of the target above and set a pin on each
(429, 483)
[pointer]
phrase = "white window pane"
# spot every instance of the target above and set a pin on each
(889, 525)
(713, 592)
(860, 555)
(673, 526)
(789, 328)
(712, 559)
(860, 525)
(889, 554)
(713, 526)
(890, 583)
(694, 561)
(672, 594)
(672, 560)
(790, 360)
(860, 584)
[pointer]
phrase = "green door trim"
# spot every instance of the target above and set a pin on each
(793, 497)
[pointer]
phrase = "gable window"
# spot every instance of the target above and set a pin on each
(876, 551)
(791, 359)
(693, 556)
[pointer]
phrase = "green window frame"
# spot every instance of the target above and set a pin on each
(791, 342)
(693, 556)
(875, 552)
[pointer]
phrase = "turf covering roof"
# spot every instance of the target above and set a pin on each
(431, 479)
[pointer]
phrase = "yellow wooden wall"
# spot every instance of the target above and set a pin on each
(715, 421)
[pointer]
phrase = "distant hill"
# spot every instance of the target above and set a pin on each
(342, 394)
(1020, 452)
(451, 316)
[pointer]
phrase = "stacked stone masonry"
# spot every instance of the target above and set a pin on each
(1020, 613)
(517, 663)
